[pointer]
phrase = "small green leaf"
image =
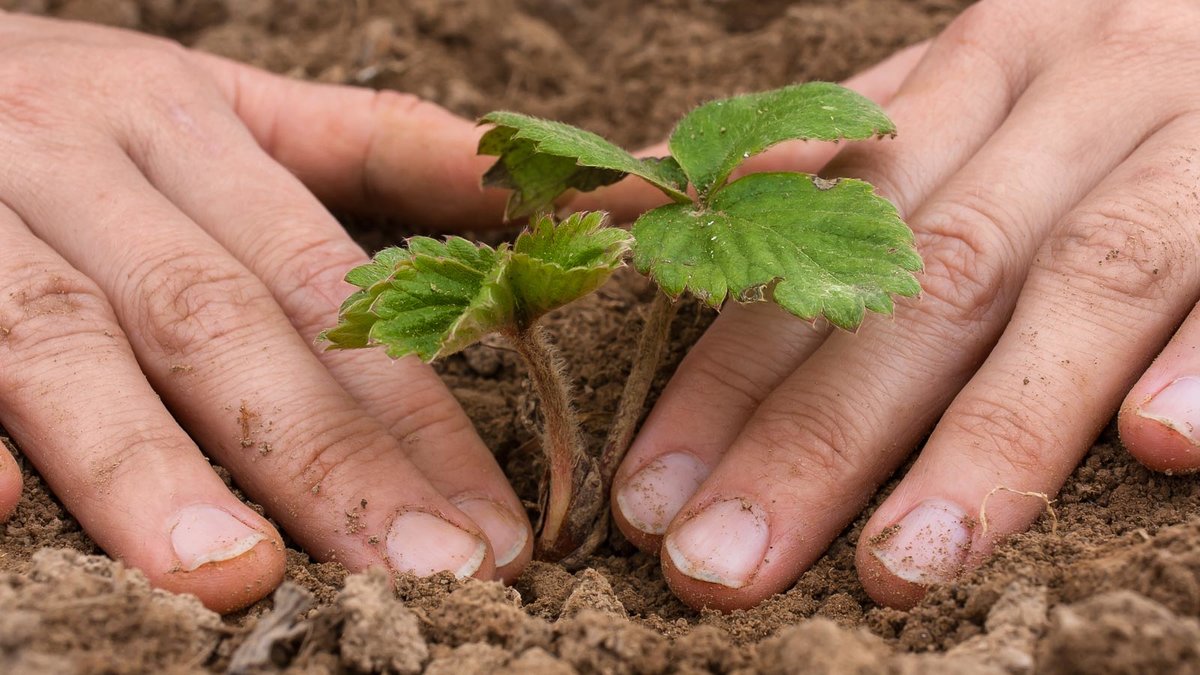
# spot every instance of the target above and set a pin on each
(827, 247)
(555, 264)
(434, 298)
(540, 159)
(712, 140)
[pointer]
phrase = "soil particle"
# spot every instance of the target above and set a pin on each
(70, 612)
(821, 647)
(595, 642)
(1119, 632)
(380, 634)
(592, 593)
(489, 613)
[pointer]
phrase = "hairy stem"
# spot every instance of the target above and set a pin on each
(651, 345)
(571, 493)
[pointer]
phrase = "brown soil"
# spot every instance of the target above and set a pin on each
(1115, 589)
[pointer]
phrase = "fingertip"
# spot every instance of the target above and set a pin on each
(880, 583)
(507, 531)
(646, 497)
(233, 583)
(10, 484)
(911, 544)
(644, 541)
(719, 555)
(1158, 439)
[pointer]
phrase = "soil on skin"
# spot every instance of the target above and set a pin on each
(1116, 588)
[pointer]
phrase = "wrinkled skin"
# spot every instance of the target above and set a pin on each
(162, 234)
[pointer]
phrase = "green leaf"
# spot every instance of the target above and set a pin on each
(827, 247)
(554, 264)
(435, 298)
(712, 140)
(540, 159)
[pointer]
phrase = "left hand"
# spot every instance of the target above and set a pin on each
(1048, 161)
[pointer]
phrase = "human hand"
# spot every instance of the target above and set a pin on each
(1048, 163)
(158, 238)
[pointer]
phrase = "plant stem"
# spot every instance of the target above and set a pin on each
(572, 493)
(651, 345)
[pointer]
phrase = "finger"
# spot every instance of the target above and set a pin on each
(835, 438)
(72, 394)
(1124, 257)
(10, 480)
(261, 214)
(213, 342)
(631, 197)
(744, 355)
(363, 149)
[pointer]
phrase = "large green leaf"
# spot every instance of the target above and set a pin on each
(540, 159)
(712, 140)
(434, 298)
(817, 247)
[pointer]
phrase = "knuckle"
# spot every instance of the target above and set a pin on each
(1129, 251)
(1000, 437)
(729, 370)
(426, 407)
(47, 312)
(311, 280)
(342, 447)
(809, 439)
(389, 102)
(186, 301)
(1142, 26)
(26, 99)
(965, 261)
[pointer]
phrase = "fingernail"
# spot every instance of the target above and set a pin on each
(651, 498)
(723, 544)
(1177, 406)
(507, 533)
(424, 544)
(205, 534)
(928, 546)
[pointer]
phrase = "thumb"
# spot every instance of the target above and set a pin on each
(365, 150)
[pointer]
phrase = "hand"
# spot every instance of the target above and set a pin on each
(1048, 162)
(158, 239)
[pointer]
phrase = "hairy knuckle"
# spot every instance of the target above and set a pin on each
(186, 302)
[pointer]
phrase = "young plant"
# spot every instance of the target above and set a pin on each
(815, 247)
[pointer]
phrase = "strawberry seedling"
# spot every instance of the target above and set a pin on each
(816, 247)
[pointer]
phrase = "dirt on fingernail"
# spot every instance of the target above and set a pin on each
(1115, 590)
